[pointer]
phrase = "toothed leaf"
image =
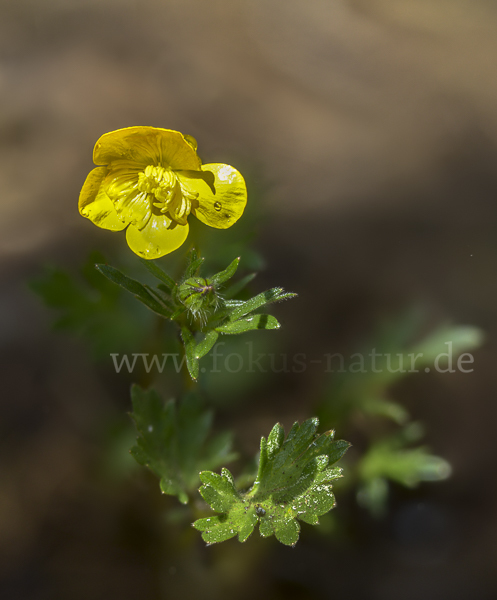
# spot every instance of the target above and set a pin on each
(173, 441)
(294, 483)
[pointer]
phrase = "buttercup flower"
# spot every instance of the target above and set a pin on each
(150, 180)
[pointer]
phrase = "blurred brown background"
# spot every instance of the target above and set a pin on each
(371, 126)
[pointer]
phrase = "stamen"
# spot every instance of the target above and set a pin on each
(169, 194)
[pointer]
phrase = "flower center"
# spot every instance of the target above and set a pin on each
(157, 181)
(170, 196)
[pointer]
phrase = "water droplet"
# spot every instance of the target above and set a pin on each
(150, 428)
(217, 205)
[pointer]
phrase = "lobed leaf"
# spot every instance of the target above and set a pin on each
(91, 306)
(294, 483)
(173, 441)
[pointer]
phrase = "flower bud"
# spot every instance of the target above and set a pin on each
(199, 296)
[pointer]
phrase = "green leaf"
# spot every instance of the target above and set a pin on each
(173, 441)
(221, 313)
(160, 298)
(178, 312)
(267, 297)
(206, 344)
(88, 305)
(194, 262)
(138, 290)
(294, 483)
(448, 339)
(194, 351)
(57, 289)
(223, 276)
(190, 352)
(249, 324)
(391, 459)
(168, 284)
(407, 466)
(385, 408)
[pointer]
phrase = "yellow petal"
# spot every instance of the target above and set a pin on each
(94, 204)
(132, 206)
(222, 194)
(147, 145)
(191, 140)
(155, 239)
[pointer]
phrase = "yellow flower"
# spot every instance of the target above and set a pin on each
(150, 181)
